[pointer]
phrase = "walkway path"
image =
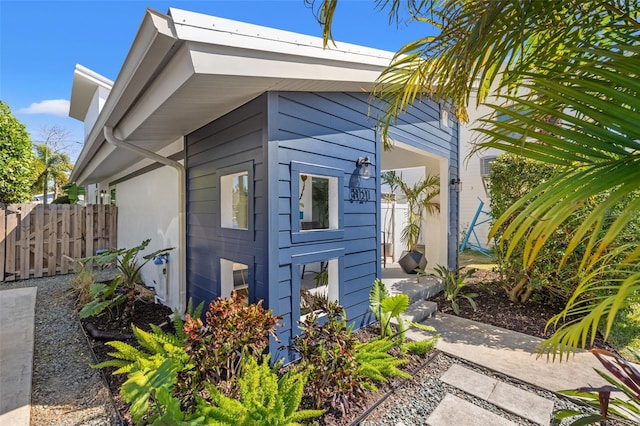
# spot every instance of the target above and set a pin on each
(17, 311)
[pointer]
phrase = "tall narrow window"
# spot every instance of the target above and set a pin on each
(319, 285)
(234, 202)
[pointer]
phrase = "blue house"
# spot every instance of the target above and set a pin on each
(254, 152)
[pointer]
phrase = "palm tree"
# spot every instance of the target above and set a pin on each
(50, 167)
(567, 76)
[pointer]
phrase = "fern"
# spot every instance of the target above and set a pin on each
(264, 399)
(376, 363)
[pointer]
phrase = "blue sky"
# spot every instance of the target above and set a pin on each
(42, 41)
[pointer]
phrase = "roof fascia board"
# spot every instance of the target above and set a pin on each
(198, 27)
(173, 76)
(226, 61)
(85, 84)
(101, 155)
(153, 42)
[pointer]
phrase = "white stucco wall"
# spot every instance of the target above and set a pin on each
(148, 208)
(97, 102)
(473, 188)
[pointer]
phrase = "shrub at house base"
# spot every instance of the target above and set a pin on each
(122, 290)
(171, 379)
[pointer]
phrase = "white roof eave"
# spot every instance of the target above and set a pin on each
(225, 63)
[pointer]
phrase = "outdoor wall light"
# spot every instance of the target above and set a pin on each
(456, 184)
(363, 164)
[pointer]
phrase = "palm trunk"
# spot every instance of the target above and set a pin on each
(46, 187)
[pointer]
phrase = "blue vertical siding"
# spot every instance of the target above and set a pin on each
(234, 140)
(282, 133)
(328, 130)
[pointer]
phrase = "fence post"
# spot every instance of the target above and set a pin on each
(3, 239)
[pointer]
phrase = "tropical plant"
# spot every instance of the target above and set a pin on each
(82, 281)
(567, 72)
(16, 158)
(103, 296)
(453, 284)
(420, 200)
(264, 398)
(233, 331)
(386, 307)
(328, 352)
(129, 267)
(624, 378)
(51, 167)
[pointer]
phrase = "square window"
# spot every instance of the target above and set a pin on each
(234, 200)
(319, 285)
(318, 202)
(234, 276)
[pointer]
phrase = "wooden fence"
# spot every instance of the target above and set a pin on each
(39, 240)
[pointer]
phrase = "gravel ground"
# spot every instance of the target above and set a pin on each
(411, 404)
(64, 390)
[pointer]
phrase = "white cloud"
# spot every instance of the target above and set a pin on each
(59, 107)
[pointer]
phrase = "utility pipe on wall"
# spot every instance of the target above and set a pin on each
(182, 200)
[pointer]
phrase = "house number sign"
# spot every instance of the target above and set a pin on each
(360, 195)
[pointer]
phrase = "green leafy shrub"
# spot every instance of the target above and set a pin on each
(453, 284)
(128, 277)
(264, 398)
(169, 372)
(512, 177)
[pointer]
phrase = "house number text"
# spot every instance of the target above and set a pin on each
(360, 195)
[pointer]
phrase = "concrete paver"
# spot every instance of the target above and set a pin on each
(17, 314)
(454, 411)
(510, 353)
(508, 397)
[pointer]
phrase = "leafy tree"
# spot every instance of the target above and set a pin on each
(52, 163)
(567, 80)
(16, 158)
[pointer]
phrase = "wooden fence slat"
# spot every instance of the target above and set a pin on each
(25, 240)
(10, 254)
(38, 238)
(64, 241)
(52, 248)
(89, 231)
(77, 226)
(113, 228)
(3, 238)
(101, 227)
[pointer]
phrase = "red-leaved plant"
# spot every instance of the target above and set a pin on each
(233, 331)
(624, 378)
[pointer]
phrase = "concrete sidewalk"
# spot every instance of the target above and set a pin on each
(17, 323)
(511, 353)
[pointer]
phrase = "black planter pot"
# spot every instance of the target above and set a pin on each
(412, 260)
